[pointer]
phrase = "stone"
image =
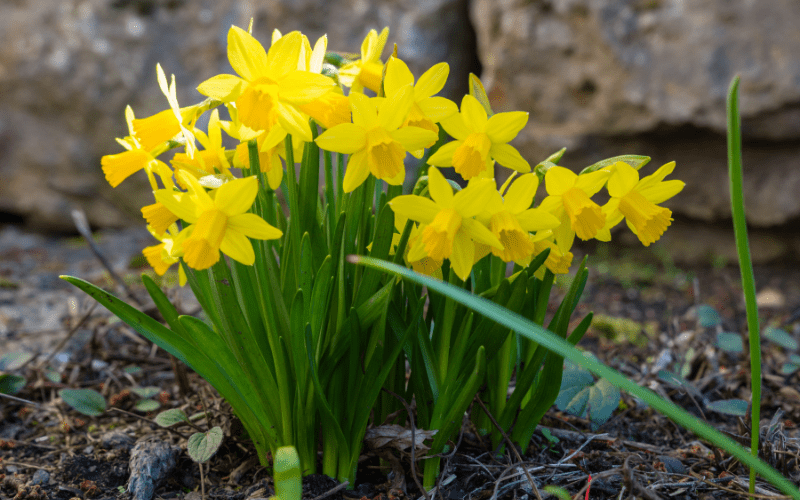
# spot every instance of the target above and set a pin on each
(604, 78)
(68, 68)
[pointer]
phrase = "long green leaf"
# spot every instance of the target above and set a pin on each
(561, 347)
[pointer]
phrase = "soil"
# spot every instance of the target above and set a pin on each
(648, 317)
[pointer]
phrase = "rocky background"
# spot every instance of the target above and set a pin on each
(601, 77)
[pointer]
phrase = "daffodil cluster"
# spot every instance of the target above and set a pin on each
(201, 208)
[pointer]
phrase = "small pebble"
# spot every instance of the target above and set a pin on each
(40, 477)
(116, 440)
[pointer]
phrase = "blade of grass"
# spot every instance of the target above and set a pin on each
(745, 265)
(561, 347)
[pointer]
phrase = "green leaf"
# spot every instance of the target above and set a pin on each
(86, 401)
(11, 384)
(561, 347)
(730, 342)
(735, 407)
(288, 477)
(146, 392)
(147, 405)
(203, 445)
(781, 337)
(635, 161)
(708, 316)
(171, 417)
(582, 397)
(11, 361)
(558, 492)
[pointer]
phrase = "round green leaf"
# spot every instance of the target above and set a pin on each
(171, 417)
(11, 384)
(735, 407)
(146, 392)
(146, 405)
(10, 361)
(202, 446)
(781, 337)
(581, 396)
(708, 316)
(86, 401)
(730, 342)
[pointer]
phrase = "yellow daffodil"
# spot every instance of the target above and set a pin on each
(208, 161)
(269, 87)
(367, 71)
(569, 200)
(451, 229)
(375, 141)
(427, 109)
(480, 139)
(637, 201)
(512, 220)
(557, 262)
(168, 252)
(220, 223)
(118, 167)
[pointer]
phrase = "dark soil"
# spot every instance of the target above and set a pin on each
(647, 318)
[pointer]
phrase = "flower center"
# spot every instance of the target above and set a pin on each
(257, 105)
(586, 216)
(517, 244)
(438, 236)
(384, 156)
(470, 157)
(201, 249)
(646, 219)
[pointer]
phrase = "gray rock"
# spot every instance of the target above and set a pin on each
(607, 77)
(116, 440)
(40, 477)
(151, 462)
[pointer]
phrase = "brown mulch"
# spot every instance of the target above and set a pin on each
(49, 451)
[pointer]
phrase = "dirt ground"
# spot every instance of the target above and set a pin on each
(649, 316)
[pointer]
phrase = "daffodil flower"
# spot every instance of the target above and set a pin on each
(569, 200)
(220, 223)
(637, 201)
(118, 167)
(168, 252)
(511, 219)
(375, 141)
(480, 139)
(451, 229)
(210, 160)
(269, 87)
(367, 71)
(427, 109)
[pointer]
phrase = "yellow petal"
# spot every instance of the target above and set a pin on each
(302, 87)
(474, 198)
(159, 217)
(508, 156)
(439, 188)
(275, 174)
(463, 256)
(365, 113)
(559, 180)
(237, 196)
(120, 166)
(416, 208)
(657, 176)
(503, 127)
(593, 182)
(663, 191)
(443, 157)
(236, 246)
(345, 138)
(253, 226)
(457, 127)
(535, 219)
(622, 180)
(357, 171)
(473, 113)
(153, 256)
(178, 203)
(480, 233)
(413, 138)
(432, 81)
(156, 129)
(294, 122)
(519, 196)
(397, 76)
(437, 108)
(246, 55)
(318, 54)
(393, 110)
(226, 88)
(283, 55)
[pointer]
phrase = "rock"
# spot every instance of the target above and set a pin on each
(151, 462)
(604, 77)
(69, 68)
(40, 477)
(116, 440)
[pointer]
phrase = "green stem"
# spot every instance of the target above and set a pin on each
(745, 265)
